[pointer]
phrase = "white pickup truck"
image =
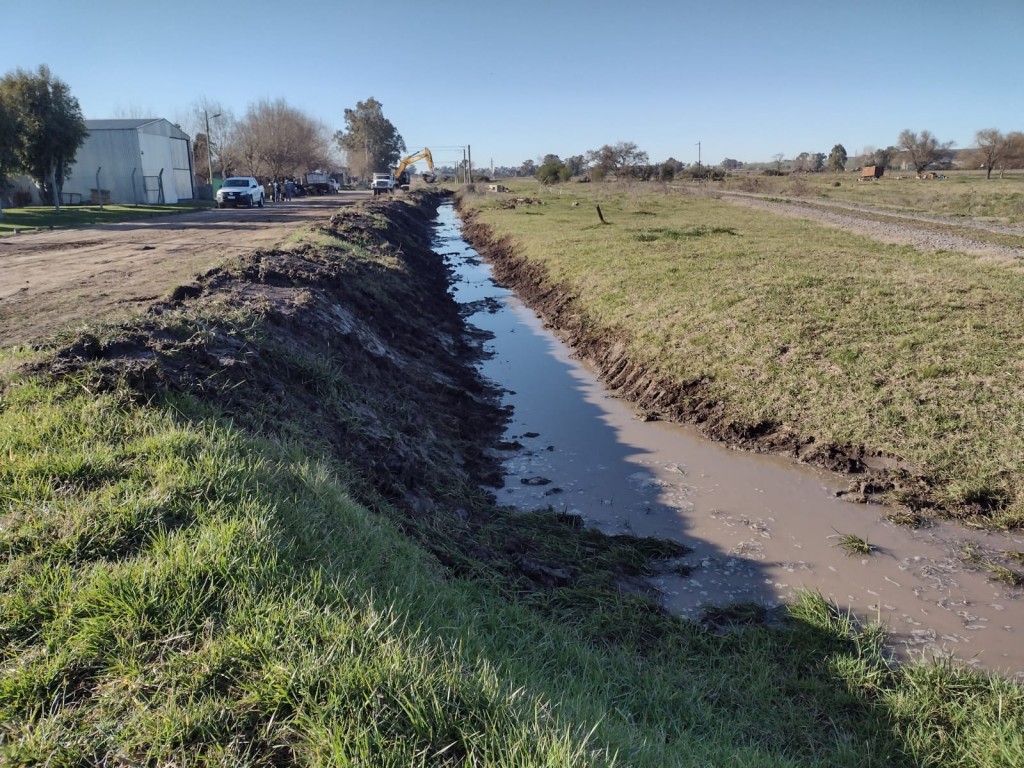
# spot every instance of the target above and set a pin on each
(382, 182)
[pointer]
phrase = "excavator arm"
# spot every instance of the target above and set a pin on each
(401, 172)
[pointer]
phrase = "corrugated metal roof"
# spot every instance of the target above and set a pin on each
(119, 125)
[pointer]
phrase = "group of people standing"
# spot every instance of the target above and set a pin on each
(281, 191)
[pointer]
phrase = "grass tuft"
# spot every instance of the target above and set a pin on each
(853, 544)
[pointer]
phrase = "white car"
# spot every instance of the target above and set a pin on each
(240, 190)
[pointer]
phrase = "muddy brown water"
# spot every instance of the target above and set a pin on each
(762, 528)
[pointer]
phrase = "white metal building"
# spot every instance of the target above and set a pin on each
(132, 161)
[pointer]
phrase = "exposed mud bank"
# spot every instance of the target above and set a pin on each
(874, 476)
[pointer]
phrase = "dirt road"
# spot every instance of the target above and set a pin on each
(926, 232)
(50, 281)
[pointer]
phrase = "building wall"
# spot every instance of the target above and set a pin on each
(167, 148)
(171, 157)
(116, 154)
(130, 160)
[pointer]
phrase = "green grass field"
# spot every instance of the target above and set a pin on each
(179, 587)
(71, 216)
(843, 338)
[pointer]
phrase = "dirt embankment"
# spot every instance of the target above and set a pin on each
(388, 339)
(874, 476)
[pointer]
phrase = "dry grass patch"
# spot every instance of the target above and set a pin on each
(966, 194)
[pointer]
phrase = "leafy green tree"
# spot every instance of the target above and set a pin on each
(577, 164)
(52, 127)
(10, 130)
(924, 149)
(622, 158)
(553, 171)
(528, 168)
(644, 171)
(884, 157)
(676, 166)
(837, 159)
(370, 141)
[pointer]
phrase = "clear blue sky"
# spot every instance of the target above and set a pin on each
(517, 79)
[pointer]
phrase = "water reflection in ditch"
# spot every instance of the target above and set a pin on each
(761, 527)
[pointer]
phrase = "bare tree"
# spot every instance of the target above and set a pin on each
(1014, 157)
(203, 113)
(276, 140)
(134, 112)
(287, 140)
(924, 149)
(993, 147)
(244, 151)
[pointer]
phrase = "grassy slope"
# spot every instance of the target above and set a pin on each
(177, 590)
(847, 339)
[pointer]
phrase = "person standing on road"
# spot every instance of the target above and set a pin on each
(277, 192)
(289, 189)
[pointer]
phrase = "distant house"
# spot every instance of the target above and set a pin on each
(132, 161)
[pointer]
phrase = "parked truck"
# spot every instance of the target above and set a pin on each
(869, 172)
(383, 182)
(317, 183)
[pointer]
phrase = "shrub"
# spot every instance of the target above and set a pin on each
(553, 172)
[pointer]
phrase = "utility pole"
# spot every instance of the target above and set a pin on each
(698, 156)
(469, 163)
(209, 154)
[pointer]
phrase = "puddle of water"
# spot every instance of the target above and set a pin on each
(761, 527)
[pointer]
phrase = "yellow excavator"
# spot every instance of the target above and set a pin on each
(402, 171)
